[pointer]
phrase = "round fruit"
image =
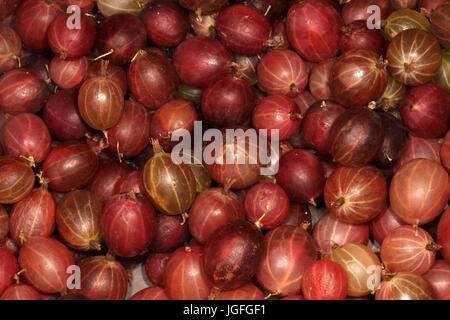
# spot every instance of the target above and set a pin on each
(330, 233)
(20, 292)
(362, 267)
(16, 179)
(439, 279)
(120, 37)
(32, 21)
(414, 65)
(171, 187)
(32, 216)
(395, 138)
(68, 39)
(405, 19)
(324, 280)
(355, 137)
(27, 136)
(197, 60)
(243, 169)
(418, 191)
(358, 77)
(9, 244)
(100, 102)
(425, 111)
(408, 249)
(70, 72)
(301, 176)
(10, 49)
(8, 269)
(62, 117)
(319, 79)
(152, 79)
(277, 113)
(266, 205)
(46, 261)
(103, 278)
(78, 217)
(405, 286)
(22, 90)
(317, 124)
(185, 278)
(288, 252)
(69, 166)
(166, 23)
(128, 224)
(172, 116)
(232, 255)
(243, 30)
(155, 266)
(227, 102)
(282, 72)
(356, 195)
(313, 29)
(211, 209)
(356, 35)
(171, 233)
(358, 10)
(439, 24)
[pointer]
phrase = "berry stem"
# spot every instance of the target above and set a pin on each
(110, 52)
(339, 202)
